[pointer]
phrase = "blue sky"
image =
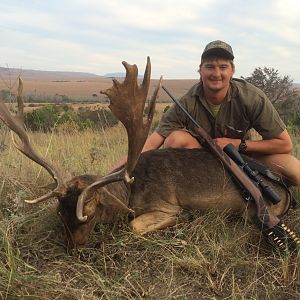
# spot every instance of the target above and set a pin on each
(95, 36)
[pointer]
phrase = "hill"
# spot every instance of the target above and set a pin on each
(7, 73)
(297, 85)
(77, 86)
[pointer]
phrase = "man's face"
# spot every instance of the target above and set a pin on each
(216, 74)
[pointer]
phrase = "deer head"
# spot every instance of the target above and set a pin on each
(85, 200)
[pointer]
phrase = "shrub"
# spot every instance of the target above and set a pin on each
(50, 116)
(6, 95)
(43, 119)
(102, 118)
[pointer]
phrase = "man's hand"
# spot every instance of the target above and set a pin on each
(222, 142)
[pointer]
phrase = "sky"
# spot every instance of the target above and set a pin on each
(96, 36)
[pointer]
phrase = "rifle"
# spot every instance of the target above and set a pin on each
(274, 229)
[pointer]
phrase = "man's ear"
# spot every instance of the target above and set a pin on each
(233, 68)
(114, 202)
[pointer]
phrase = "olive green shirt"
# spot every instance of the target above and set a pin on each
(244, 107)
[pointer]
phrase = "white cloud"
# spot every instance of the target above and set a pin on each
(287, 9)
(289, 34)
(96, 35)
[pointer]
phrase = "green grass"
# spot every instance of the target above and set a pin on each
(205, 256)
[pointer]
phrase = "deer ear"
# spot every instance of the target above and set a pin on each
(111, 200)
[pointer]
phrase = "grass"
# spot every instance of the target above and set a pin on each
(205, 256)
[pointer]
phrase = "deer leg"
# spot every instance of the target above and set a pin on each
(152, 221)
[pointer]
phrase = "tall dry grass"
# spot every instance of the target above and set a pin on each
(205, 256)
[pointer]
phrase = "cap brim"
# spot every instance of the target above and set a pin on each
(217, 52)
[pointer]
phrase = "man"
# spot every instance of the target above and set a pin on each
(227, 109)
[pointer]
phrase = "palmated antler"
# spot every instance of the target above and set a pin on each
(16, 124)
(127, 103)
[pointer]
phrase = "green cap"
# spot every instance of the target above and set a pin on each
(218, 48)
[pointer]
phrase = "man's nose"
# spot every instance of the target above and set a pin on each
(216, 72)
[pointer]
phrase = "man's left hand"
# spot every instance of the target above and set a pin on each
(222, 142)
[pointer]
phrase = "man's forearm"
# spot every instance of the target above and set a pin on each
(273, 146)
(281, 144)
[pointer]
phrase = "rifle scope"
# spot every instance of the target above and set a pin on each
(253, 175)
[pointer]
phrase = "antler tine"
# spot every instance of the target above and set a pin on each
(151, 107)
(127, 102)
(20, 113)
(16, 124)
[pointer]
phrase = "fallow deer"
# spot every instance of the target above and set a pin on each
(154, 187)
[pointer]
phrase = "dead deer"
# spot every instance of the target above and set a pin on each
(154, 187)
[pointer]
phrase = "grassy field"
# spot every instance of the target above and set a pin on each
(205, 256)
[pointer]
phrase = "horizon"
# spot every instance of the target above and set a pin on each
(107, 75)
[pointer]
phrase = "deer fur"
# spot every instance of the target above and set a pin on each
(167, 181)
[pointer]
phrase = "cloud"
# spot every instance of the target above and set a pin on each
(96, 35)
(289, 10)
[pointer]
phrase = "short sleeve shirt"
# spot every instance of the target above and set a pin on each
(244, 107)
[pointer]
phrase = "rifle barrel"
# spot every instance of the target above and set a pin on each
(180, 106)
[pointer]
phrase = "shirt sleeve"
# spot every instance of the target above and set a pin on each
(173, 119)
(265, 119)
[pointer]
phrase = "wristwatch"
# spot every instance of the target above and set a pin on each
(243, 146)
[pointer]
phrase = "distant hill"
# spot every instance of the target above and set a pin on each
(27, 74)
(118, 75)
(115, 75)
(78, 86)
(7, 73)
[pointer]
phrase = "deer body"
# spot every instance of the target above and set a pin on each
(191, 179)
(167, 181)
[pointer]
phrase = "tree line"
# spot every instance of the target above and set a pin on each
(282, 93)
